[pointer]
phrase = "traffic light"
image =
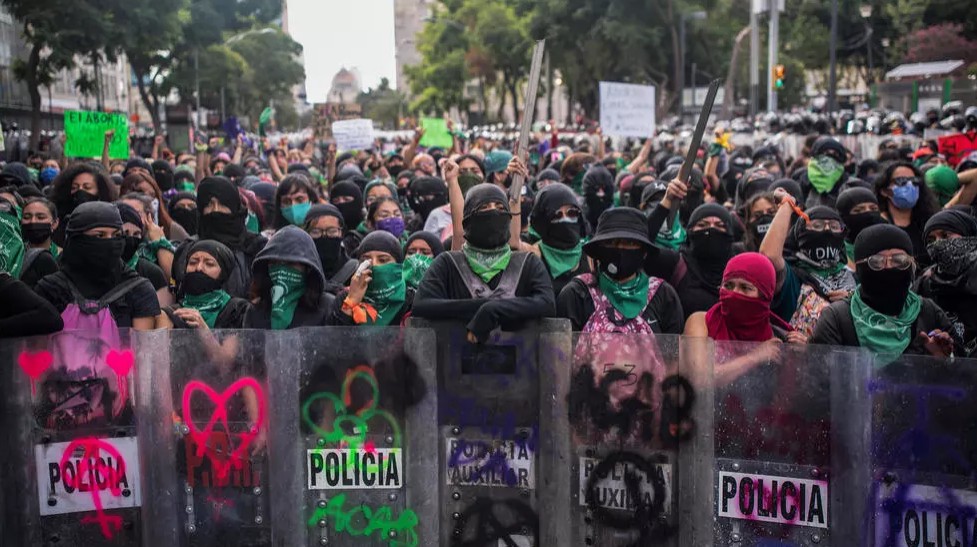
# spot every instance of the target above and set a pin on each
(778, 76)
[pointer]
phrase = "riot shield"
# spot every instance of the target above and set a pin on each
(70, 463)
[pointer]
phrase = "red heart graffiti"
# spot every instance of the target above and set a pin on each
(120, 361)
(35, 363)
(202, 436)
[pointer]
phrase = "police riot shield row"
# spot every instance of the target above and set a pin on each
(541, 437)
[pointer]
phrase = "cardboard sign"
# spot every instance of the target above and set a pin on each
(489, 462)
(355, 469)
(611, 492)
(436, 133)
(85, 134)
(353, 134)
(925, 515)
(627, 110)
(324, 114)
(72, 488)
(783, 500)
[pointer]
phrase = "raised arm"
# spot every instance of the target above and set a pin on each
(642, 158)
(772, 245)
(456, 203)
(106, 161)
(968, 189)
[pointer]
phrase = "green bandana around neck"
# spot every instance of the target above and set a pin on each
(577, 184)
(251, 224)
(209, 304)
(674, 238)
(415, 266)
(884, 335)
(487, 263)
(561, 261)
(850, 250)
(387, 292)
(134, 259)
(824, 172)
(54, 250)
(12, 247)
(628, 298)
(287, 287)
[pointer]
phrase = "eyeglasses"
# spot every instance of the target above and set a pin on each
(820, 225)
(877, 263)
(903, 181)
(316, 233)
(571, 215)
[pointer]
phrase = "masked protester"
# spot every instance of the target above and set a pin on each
(485, 284)
(293, 198)
(202, 303)
(264, 193)
(825, 175)
(378, 294)
(377, 189)
(80, 183)
(183, 210)
(348, 198)
(324, 223)
(906, 202)
(598, 192)
(884, 315)
(558, 222)
(384, 214)
(49, 171)
(620, 295)
(419, 253)
(38, 224)
(222, 217)
(817, 273)
(758, 213)
(92, 267)
(163, 175)
(471, 172)
(289, 289)
(132, 234)
(951, 241)
(428, 198)
(859, 209)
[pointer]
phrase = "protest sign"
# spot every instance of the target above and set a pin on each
(436, 133)
(353, 134)
(324, 114)
(627, 110)
(85, 134)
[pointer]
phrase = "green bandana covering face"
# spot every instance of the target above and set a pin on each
(252, 224)
(12, 246)
(487, 263)
(387, 292)
(415, 266)
(628, 298)
(884, 335)
(208, 304)
(671, 239)
(824, 172)
(467, 180)
(561, 261)
(287, 287)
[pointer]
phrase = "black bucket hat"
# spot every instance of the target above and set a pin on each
(620, 223)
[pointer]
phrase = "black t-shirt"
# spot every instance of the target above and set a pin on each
(24, 313)
(139, 302)
(663, 314)
(43, 264)
(563, 280)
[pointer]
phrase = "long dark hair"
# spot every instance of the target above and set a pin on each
(61, 195)
(750, 242)
(288, 185)
(130, 184)
(926, 204)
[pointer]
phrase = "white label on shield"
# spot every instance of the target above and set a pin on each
(924, 515)
(489, 462)
(611, 491)
(784, 500)
(81, 475)
(350, 469)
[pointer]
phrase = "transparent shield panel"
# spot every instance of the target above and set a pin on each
(71, 461)
(923, 474)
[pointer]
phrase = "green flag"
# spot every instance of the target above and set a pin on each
(266, 116)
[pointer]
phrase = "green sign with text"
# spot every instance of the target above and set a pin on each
(85, 134)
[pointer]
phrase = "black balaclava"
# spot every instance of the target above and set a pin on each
(332, 252)
(227, 228)
(560, 235)
(380, 240)
(197, 283)
(709, 250)
(884, 291)
(163, 173)
(426, 186)
(352, 211)
(598, 192)
(487, 229)
(953, 257)
(130, 215)
(856, 223)
(822, 249)
(187, 218)
(93, 264)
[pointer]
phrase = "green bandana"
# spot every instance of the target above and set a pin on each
(287, 286)
(884, 335)
(209, 304)
(12, 248)
(824, 172)
(561, 261)
(467, 180)
(55, 251)
(131, 264)
(943, 181)
(415, 266)
(387, 292)
(187, 186)
(850, 250)
(671, 239)
(531, 236)
(628, 298)
(487, 263)
(577, 184)
(252, 224)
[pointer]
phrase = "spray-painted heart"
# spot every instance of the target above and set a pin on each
(201, 437)
(120, 361)
(35, 363)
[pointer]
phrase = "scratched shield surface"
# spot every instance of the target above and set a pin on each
(778, 458)
(921, 488)
(70, 461)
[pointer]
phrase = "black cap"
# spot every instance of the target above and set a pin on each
(620, 223)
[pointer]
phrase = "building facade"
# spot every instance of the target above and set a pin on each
(409, 19)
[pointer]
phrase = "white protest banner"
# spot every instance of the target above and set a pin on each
(627, 110)
(353, 134)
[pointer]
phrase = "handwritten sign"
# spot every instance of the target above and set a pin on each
(85, 134)
(71, 483)
(436, 133)
(353, 134)
(627, 110)
(784, 500)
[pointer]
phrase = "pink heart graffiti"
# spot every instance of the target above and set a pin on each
(120, 361)
(90, 452)
(34, 364)
(222, 463)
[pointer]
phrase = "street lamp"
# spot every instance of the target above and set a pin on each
(690, 16)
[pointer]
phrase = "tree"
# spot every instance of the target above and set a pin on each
(438, 82)
(383, 105)
(940, 43)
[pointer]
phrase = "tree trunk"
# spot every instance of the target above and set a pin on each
(730, 90)
(149, 100)
(514, 92)
(500, 95)
(33, 88)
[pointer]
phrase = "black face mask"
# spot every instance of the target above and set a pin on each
(80, 197)
(760, 226)
(620, 264)
(824, 248)
(562, 235)
(331, 254)
(131, 245)
(424, 207)
(395, 170)
(93, 257)
(885, 291)
(197, 283)
(186, 218)
(488, 229)
(36, 232)
(227, 228)
(352, 213)
(857, 223)
(164, 179)
(711, 245)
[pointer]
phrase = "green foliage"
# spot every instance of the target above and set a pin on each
(383, 105)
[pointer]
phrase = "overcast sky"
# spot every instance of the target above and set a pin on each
(344, 33)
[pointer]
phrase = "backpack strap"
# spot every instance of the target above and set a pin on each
(477, 287)
(29, 257)
(119, 291)
(345, 272)
(510, 277)
(654, 283)
(678, 274)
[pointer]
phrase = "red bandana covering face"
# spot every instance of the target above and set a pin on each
(743, 318)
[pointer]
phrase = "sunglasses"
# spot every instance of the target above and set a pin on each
(568, 216)
(903, 181)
